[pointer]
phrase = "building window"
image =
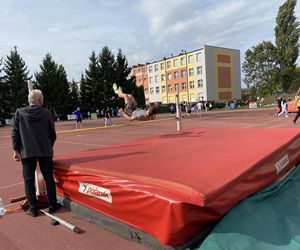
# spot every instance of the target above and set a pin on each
(145, 79)
(163, 89)
(169, 76)
(162, 77)
(162, 66)
(183, 85)
(168, 64)
(175, 62)
(191, 72)
(176, 74)
(170, 88)
(150, 69)
(190, 58)
(156, 79)
(150, 79)
(182, 60)
(192, 85)
(183, 73)
(199, 70)
(199, 57)
(176, 87)
(200, 83)
(145, 69)
(151, 90)
(155, 67)
(157, 90)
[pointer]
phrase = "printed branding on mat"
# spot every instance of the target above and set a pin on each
(95, 191)
(282, 163)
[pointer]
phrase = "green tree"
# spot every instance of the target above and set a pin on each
(90, 85)
(287, 42)
(3, 91)
(64, 102)
(74, 95)
(15, 81)
(296, 82)
(106, 61)
(52, 81)
(261, 68)
(123, 77)
(140, 96)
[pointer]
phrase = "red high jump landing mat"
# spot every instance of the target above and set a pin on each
(172, 186)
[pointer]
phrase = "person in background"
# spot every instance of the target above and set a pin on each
(297, 99)
(33, 137)
(279, 100)
(78, 117)
(284, 108)
(107, 117)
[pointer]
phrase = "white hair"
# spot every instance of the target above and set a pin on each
(34, 96)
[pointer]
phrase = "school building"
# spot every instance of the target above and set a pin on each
(209, 74)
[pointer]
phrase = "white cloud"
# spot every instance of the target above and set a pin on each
(146, 30)
(53, 30)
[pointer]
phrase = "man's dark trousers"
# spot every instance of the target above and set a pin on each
(46, 166)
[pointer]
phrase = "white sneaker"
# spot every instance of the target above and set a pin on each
(115, 88)
(120, 90)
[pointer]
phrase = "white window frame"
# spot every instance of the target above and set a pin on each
(199, 70)
(176, 75)
(192, 84)
(200, 83)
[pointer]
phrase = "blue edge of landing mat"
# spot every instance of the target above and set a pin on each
(267, 220)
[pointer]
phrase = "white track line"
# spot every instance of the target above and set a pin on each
(16, 184)
(85, 144)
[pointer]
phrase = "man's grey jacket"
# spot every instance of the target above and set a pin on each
(33, 132)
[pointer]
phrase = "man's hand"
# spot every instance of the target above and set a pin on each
(16, 156)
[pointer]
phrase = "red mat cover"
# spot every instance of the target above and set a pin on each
(172, 185)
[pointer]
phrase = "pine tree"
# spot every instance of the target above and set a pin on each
(90, 94)
(287, 42)
(15, 81)
(3, 91)
(74, 95)
(64, 101)
(124, 79)
(106, 61)
(52, 81)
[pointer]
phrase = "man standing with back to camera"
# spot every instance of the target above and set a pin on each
(33, 137)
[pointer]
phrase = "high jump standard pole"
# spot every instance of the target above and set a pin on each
(178, 112)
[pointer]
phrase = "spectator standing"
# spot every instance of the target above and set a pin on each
(33, 137)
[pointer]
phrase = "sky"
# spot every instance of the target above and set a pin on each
(145, 30)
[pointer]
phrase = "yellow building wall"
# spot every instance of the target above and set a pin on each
(191, 92)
